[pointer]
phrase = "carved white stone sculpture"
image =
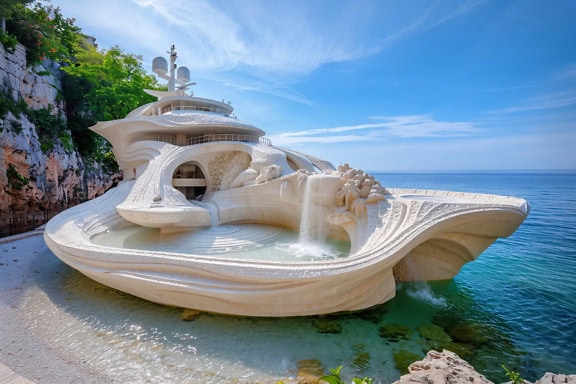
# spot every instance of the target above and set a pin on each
(182, 158)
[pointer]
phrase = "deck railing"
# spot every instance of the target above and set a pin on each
(171, 108)
(228, 137)
(206, 139)
(162, 138)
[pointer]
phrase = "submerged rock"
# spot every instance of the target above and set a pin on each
(468, 333)
(324, 325)
(190, 314)
(394, 332)
(310, 371)
(361, 358)
(403, 359)
(435, 336)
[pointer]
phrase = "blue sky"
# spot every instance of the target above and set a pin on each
(380, 84)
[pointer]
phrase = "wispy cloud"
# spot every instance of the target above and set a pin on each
(552, 100)
(567, 74)
(268, 45)
(555, 91)
(281, 37)
(385, 127)
(433, 14)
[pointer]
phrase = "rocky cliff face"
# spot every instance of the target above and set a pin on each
(31, 179)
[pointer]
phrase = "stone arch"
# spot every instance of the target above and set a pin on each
(190, 179)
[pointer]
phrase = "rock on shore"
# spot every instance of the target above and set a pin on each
(447, 367)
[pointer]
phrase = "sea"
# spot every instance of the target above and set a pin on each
(514, 307)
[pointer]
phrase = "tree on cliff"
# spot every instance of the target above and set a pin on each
(116, 81)
(96, 85)
(44, 31)
(6, 9)
(102, 85)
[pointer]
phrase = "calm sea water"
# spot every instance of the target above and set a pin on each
(515, 305)
(522, 288)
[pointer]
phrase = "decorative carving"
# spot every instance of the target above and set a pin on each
(358, 189)
(225, 168)
(268, 173)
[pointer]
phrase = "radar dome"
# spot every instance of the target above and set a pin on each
(160, 66)
(183, 75)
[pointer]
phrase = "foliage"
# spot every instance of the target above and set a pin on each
(112, 81)
(7, 103)
(102, 85)
(44, 32)
(96, 85)
(335, 378)
(16, 126)
(8, 41)
(15, 180)
(46, 123)
(66, 140)
(7, 7)
(514, 377)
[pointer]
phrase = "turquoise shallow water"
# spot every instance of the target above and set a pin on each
(515, 305)
(522, 288)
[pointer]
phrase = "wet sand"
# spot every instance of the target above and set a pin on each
(21, 351)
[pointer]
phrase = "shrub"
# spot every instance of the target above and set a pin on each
(15, 180)
(8, 41)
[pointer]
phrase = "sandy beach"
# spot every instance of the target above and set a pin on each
(21, 349)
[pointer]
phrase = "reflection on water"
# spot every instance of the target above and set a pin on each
(240, 241)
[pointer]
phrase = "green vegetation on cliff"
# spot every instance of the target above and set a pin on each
(97, 84)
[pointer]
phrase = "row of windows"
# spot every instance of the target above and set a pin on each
(206, 139)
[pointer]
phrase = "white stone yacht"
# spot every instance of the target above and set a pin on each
(206, 199)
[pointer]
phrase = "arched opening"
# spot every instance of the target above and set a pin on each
(189, 179)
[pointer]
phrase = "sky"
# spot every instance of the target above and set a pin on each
(384, 85)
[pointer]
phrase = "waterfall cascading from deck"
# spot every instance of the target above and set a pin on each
(319, 197)
(212, 209)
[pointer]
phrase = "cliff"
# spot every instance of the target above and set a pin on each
(33, 179)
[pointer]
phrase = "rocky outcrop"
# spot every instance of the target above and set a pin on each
(441, 368)
(552, 378)
(31, 179)
(448, 368)
(37, 86)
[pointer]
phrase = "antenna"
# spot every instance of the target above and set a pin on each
(174, 75)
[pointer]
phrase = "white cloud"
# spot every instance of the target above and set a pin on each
(545, 151)
(546, 101)
(282, 37)
(385, 127)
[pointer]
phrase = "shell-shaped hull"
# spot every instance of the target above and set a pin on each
(409, 235)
